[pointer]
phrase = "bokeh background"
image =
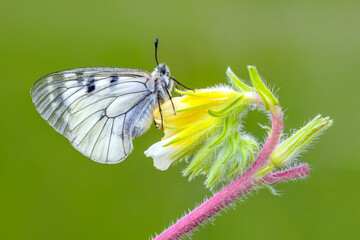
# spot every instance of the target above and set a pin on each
(309, 50)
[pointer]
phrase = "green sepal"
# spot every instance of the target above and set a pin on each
(228, 127)
(237, 83)
(225, 110)
(265, 94)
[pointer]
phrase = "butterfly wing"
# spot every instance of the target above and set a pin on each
(100, 110)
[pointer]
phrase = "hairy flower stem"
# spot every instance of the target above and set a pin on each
(235, 190)
(208, 209)
(271, 142)
(297, 172)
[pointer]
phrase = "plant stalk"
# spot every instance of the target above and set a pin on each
(232, 192)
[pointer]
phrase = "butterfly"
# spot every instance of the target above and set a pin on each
(102, 109)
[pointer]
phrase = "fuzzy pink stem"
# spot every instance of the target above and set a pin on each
(208, 209)
(298, 172)
(271, 142)
(229, 194)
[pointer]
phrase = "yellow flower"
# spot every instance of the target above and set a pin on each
(191, 124)
(205, 130)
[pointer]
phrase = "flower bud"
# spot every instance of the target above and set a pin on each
(291, 147)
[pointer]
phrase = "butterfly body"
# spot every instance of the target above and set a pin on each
(100, 109)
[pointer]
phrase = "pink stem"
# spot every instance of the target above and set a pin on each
(298, 172)
(229, 194)
(208, 209)
(271, 142)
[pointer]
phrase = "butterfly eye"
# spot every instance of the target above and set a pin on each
(162, 71)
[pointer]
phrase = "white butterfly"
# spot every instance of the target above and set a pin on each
(102, 109)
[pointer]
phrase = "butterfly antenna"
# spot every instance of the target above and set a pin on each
(177, 82)
(156, 47)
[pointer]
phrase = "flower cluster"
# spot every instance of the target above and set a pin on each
(206, 131)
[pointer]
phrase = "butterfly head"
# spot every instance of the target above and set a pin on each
(162, 73)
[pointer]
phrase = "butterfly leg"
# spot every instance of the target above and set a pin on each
(176, 81)
(162, 121)
(176, 87)
(167, 91)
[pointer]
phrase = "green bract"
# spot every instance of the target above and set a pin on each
(224, 155)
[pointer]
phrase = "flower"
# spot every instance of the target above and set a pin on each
(206, 131)
(198, 116)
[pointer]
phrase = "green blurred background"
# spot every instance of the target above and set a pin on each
(308, 49)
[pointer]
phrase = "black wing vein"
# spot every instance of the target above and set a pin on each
(97, 139)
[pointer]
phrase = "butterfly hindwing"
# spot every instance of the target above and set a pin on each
(100, 110)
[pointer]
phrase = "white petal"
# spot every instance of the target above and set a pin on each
(161, 155)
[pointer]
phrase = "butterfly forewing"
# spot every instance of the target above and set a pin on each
(100, 110)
